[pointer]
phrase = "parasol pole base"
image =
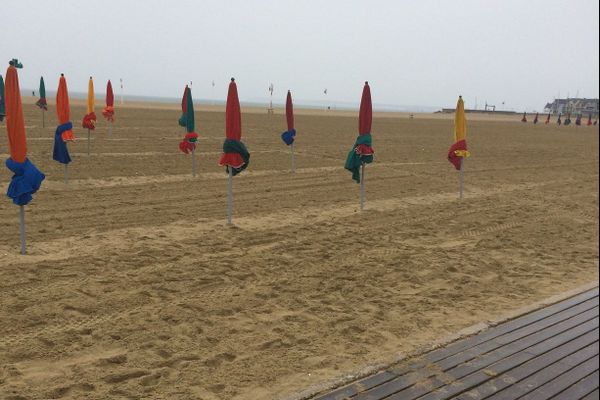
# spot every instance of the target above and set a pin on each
(88, 143)
(22, 228)
(362, 186)
(66, 174)
(43, 118)
(461, 178)
(293, 160)
(194, 163)
(230, 196)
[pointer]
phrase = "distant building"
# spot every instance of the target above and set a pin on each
(573, 106)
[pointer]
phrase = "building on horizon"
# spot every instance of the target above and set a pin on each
(574, 106)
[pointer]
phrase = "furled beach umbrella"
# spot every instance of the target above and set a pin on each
(458, 151)
(89, 120)
(109, 111)
(535, 120)
(64, 130)
(362, 152)
(289, 135)
(235, 157)
(27, 179)
(41, 103)
(188, 144)
(548, 119)
(568, 119)
(578, 120)
(2, 104)
(524, 119)
(589, 122)
(559, 120)
(184, 105)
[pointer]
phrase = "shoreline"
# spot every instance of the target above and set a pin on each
(280, 110)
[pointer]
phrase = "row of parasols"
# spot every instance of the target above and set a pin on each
(559, 120)
(27, 179)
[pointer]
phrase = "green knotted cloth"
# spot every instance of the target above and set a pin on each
(355, 160)
(234, 146)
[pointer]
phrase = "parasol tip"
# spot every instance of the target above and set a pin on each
(460, 96)
(62, 74)
(90, 77)
(366, 82)
(232, 79)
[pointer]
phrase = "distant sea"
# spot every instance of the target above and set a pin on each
(310, 104)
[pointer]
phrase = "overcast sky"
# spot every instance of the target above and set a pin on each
(413, 52)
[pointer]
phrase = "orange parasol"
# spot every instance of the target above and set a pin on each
(27, 179)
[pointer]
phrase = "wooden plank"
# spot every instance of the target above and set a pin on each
(509, 326)
(591, 304)
(359, 386)
(466, 379)
(427, 376)
(545, 375)
(395, 385)
(536, 333)
(420, 389)
(515, 348)
(473, 374)
(564, 381)
(595, 395)
(580, 389)
(501, 381)
(530, 340)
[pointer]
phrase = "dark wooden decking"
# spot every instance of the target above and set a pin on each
(551, 353)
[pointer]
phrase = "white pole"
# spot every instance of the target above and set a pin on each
(461, 177)
(43, 118)
(362, 186)
(194, 162)
(230, 196)
(66, 174)
(22, 220)
(293, 161)
(110, 129)
(88, 144)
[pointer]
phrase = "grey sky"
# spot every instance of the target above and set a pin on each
(416, 52)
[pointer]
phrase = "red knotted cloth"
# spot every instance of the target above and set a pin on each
(457, 151)
(364, 150)
(188, 144)
(89, 121)
(109, 112)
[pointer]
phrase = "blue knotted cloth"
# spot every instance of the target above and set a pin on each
(61, 153)
(26, 180)
(288, 136)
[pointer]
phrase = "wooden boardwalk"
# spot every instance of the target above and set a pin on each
(551, 353)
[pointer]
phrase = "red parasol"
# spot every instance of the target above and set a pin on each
(109, 110)
(289, 111)
(235, 155)
(365, 116)
(233, 115)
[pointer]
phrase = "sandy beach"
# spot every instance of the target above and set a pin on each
(134, 287)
